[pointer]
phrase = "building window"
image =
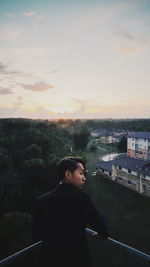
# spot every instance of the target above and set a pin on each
(120, 178)
(129, 182)
(129, 170)
(136, 147)
(120, 168)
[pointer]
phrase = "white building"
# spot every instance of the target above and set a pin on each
(138, 145)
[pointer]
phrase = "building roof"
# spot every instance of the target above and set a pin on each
(131, 163)
(127, 163)
(119, 136)
(106, 165)
(145, 135)
(146, 170)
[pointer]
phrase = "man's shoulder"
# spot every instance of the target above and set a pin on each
(72, 190)
(44, 197)
(61, 191)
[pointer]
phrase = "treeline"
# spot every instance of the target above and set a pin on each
(137, 125)
(29, 152)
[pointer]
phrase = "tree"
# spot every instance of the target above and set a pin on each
(80, 139)
(33, 151)
(122, 145)
(5, 162)
(34, 167)
(15, 229)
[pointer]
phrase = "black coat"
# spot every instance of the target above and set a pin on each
(60, 220)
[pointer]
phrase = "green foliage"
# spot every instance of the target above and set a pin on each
(122, 145)
(80, 139)
(15, 232)
(29, 152)
(34, 164)
(5, 162)
(139, 125)
(33, 151)
(93, 147)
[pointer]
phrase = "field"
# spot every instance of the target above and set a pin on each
(128, 218)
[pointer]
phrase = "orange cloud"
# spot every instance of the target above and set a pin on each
(5, 91)
(30, 13)
(9, 14)
(129, 49)
(38, 86)
(53, 71)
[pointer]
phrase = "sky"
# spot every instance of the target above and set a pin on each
(71, 59)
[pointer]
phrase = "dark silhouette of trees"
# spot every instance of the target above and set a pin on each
(29, 152)
(80, 139)
(122, 145)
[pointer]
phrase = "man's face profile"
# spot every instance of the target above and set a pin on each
(77, 177)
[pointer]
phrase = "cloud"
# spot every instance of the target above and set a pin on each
(129, 49)
(9, 14)
(127, 41)
(9, 73)
(13, 113)
(28, 81)
(38, 86)
(119, 31)
(18, 102)
(5, 91)
(88, 101)
(5, 70)
(30, 13)
(53, 71)
(80, 101)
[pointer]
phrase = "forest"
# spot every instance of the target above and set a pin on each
(29, 152)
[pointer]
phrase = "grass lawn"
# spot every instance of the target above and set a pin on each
(128, 219)
(102, 149)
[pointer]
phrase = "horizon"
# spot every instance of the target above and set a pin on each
(76, 119)
(75, 60)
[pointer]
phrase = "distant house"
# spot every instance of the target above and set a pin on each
(104, 167)
(130, 172)
(98, 133)
(109, 136)
(95, 133)
(106, 139)
(138, 145)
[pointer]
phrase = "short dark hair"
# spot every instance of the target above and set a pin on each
(68, 164)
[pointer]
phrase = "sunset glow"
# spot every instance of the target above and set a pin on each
(76, 59)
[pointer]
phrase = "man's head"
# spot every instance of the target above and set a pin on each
(71, 170)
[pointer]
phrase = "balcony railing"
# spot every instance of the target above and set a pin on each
(26, 256)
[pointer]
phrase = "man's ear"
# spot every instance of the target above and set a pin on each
(68, 175)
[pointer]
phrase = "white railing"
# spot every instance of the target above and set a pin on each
(28, 250)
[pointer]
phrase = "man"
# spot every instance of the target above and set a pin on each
(61, 216)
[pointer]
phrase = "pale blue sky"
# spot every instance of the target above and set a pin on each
(75, 59)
